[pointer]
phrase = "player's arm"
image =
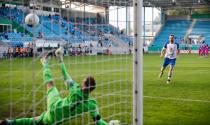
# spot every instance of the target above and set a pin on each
(47, 76)
(178, 50)
(163, 51)
(66, 77)
(99, 121)
(94, 112)
(20, 121)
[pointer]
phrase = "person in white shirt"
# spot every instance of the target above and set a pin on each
(169, 52)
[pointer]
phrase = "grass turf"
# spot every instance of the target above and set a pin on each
(186, 101)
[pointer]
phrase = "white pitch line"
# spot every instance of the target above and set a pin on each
(166, 98)
(163, 98)
(178, 99)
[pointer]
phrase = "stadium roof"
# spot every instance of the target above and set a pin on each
(26, 2)
(107, 3)
(177, 3)
(149, 3)
(16, 2)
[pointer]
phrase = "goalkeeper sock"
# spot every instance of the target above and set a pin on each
(21, 121)
(47, 74)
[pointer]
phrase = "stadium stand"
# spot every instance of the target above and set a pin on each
(55, 27)
(176, 27)
(202, 28)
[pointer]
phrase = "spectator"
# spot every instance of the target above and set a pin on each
(80, 49)
(207, 50)
(62, 24)
(21, 51)
(199, 51)
(16, 51)
(5, 54)
(129, 44)
(26, 52)
(100, 42)
(41, 34)
(6, 36)
(11, 52)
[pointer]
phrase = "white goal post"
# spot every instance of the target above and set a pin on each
(138, 65)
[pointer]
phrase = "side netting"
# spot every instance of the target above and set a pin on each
(97, 39)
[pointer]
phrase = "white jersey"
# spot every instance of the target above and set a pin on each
(171, 50)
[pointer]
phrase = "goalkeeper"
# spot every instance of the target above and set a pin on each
(58, 109)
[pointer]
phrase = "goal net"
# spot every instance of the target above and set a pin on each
(97, 38)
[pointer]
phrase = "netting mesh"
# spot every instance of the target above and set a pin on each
(92, 46)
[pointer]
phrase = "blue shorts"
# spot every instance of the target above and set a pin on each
(168, 61)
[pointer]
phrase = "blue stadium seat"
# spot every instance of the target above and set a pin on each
(176, 27)
(202, 28)
(55, 27)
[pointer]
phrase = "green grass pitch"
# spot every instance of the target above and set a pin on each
(186, 101)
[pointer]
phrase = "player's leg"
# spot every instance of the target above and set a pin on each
(23, 121)
(170, 73)
(161, 71)
(51, 89)
(171, 69)
(52, 92)
(165, 64)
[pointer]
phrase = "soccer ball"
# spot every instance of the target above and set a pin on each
(114, 122)
(59, 52)
(32, 20)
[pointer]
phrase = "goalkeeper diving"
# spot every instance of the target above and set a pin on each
(58, 109)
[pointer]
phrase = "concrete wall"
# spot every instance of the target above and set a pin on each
(76, 13)
(2, 49)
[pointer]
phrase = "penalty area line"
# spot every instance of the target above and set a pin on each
(167, 98)
(178, 99)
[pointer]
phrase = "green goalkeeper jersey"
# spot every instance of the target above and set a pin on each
(58, 109)
(74, 104)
